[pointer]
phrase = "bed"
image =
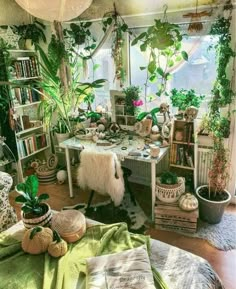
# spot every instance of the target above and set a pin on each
(179, 269)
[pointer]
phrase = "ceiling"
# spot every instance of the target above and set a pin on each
(134, 7)
(12, 13)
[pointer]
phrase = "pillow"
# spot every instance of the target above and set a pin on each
(127, 269)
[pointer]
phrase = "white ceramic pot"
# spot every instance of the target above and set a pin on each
(62, 137)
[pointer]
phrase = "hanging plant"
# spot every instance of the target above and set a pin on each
(162, 41)
(81, 37)
(118, 32)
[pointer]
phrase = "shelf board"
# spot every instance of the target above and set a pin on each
(182, 167)
(38, 151)
(28, 130)
(27, 104)
(183, 142)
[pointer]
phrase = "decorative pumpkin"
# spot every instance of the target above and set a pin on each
(188, 202)
(36, 240)
(58, 247)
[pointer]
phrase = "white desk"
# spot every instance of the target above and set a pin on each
(137, 142)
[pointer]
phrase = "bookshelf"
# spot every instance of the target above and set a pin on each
(183, 152)
(32, 142)
(119, 111)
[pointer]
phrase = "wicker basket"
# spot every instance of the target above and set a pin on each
(170, 193)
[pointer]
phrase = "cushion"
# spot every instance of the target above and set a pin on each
(127, 269)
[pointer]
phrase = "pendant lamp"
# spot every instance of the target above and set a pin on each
(59, 10)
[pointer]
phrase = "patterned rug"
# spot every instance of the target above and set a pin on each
(106, 213)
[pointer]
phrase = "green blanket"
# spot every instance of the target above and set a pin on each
(20, 270)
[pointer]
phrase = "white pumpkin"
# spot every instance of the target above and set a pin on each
(188, 202)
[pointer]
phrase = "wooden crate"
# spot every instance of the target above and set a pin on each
(171, 217)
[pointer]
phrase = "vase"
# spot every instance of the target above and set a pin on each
(211, 211)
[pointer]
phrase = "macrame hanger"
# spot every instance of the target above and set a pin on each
(165, 8)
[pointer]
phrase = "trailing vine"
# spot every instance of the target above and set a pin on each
(118, 32)
(218, 125)
(161, 41)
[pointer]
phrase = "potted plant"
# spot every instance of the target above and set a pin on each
(64, 101)
(132, 100)
(30, 34)
(169, 187)
(182, 99)
(213, 198)
(61, 130)
(35, 212)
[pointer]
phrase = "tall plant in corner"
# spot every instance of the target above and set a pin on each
(215, 194)
(162, 41)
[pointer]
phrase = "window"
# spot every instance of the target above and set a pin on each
(198, 73)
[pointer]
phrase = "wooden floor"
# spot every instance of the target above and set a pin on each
(224, 262)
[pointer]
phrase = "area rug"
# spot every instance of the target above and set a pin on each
(222, 235)
(106, 213)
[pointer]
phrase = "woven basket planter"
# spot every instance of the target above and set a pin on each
(44, 220)
(170, 193)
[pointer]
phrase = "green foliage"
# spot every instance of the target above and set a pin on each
(55, 97)
(81, 35)
(151, 114)
(28, 196)
(169, 178)
(222, 88)
(162, 40)
(119, 28)
(184, 98)
(132, 93)
(34, 31)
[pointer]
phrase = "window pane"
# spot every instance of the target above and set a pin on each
(198, 73)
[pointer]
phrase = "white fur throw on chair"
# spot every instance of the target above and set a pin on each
(101, 172)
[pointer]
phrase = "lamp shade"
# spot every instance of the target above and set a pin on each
(59, 10)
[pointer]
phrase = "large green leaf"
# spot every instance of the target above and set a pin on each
(184, 55)
(32, 184)
(152, 67)
(20, 199)
(43, 197)
(142, 115)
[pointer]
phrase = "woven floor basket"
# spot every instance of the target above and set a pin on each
(170, 193)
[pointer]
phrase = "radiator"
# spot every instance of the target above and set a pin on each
(204, 161)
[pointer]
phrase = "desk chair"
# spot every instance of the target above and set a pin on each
(101, 172)
(7, 214)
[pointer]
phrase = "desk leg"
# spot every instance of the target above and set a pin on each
(153, 181)
(69, 172)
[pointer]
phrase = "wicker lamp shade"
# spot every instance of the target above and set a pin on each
(70, 224)
(59, 10)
